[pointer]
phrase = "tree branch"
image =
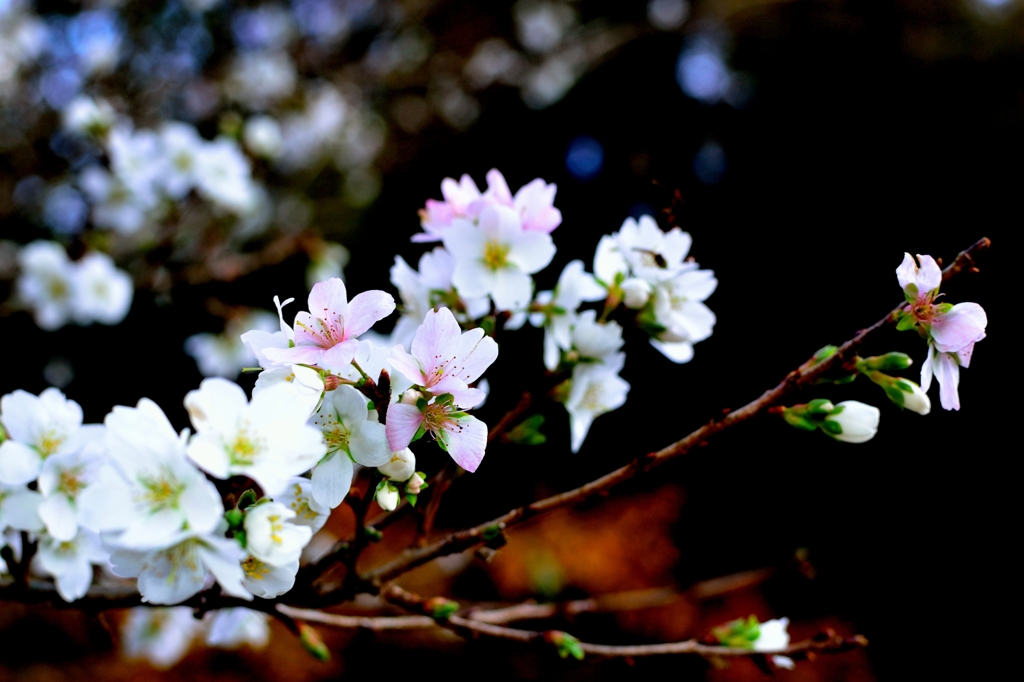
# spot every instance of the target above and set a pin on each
(806, 374)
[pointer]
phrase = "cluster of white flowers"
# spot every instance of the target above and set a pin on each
(150, 170)
(163, 636)
(59, 290)
(494, 241)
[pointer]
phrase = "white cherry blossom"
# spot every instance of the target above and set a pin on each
(39, 427)
(497, 257)
(266, 439)
(349, 436)
(102, 292)
(298, 497)
(47, 283)
(150, 492)
(595, 340)
(679, 310)
(61, 482)
(266, 581)
(596, 389)
(574, 287)
(181, 146)
(400, 467)
(233, 628)
(178, 571)
(70, 562)
(161, 636)
(270, 535)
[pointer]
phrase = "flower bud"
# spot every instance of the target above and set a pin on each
(331, 382)
(401, 466)
(414, 485)
(635, 293)
(852, 422)
(387, 496)
(915, 399)
(410, 397)
(262, 137)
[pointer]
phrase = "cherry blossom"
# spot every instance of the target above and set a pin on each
(327, 335)
(298, 497)
(233, 628)
(70, 562)
(462, 436)
(596, 389)
(444, 359)
(61, 482)
(46, 283)
(773, 636)
(679, 311)
(102, 293)
(271, 537)
(150, 492)
(266, 439)
(497, 257)
(161, 636)
(174, 573)
(559, 309)
(266, 581)
(39, 427)
(349, 436)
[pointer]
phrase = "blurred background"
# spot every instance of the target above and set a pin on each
(804, 144)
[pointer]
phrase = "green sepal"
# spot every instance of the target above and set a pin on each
(411, 499)
(419, 433)
(370, 405)
(831, 427)
(239, 536)
(246, 500)
(943, 308)
(250, 370)
(906, 322)
(894, 394)
(421, 404)
(910, 293)
(798, 421)
(820, 406)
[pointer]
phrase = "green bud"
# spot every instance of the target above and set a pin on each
(234, 518)
(848, 379)
(491, 532)
(313, 642)
(823, 353)
(528, 432)
(565, 644)
(820, 406)
(372, 534)
(739, 634)
(440, 608)
(890, 362)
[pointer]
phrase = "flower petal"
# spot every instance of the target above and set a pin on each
(403, 423)
(467, 440)
(19, 464)
(332, 479)
(365, 310)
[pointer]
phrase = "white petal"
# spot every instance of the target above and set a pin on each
(332, 479)
(58, 514)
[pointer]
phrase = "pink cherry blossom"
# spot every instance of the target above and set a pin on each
(946, 369)
(463, 436)
(326, 335)
(961, 326)
(445, 359)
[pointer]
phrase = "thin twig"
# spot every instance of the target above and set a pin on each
(806, 374)
(827, 642)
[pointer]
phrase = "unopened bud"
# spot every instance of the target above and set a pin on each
(410, 397)
(414, 485)
(313, 642)
(635, 293)
(401, 466)
(387, 496)
(852, 422)
(331, 382)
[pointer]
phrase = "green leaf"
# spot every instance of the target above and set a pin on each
(441, 609)
(739, 634)
(246, 500)
(823, 353)
(372, 534)
(528, 432)
(848, 379)
(411, 499)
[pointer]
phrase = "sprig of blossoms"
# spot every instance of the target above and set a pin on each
(950, 330)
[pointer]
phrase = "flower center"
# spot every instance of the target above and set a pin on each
(300, 505)
(50, 442)
(255, 569)
(161, 491)
(337, 437)
(245, 448)
(495, 254)
(70, 483)
(57, 288)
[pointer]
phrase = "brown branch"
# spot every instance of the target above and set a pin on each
(806, 374)
(473, 627)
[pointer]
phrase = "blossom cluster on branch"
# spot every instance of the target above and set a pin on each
(229, 506)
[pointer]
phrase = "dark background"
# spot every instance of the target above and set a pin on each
(857, 144)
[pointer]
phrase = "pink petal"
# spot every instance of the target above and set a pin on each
(476, 353)
(965, 354)
(426, 238)
(406, 364)
(467, 440)
(329, 300)
(497, 188)
(436, 340)
(961, 326)
(365, 310)
(338, 357)
(310, 331)
(403, 423)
